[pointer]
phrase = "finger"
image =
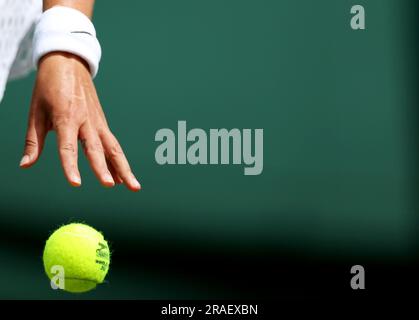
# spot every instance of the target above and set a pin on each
(93, 150)
(67, 148)
(116, 157)
(116, 177)
(34, 142)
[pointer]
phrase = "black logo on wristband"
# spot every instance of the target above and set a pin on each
(85, 32)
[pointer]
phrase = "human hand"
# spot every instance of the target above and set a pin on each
(65, 101)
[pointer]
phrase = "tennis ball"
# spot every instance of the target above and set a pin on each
(81, 256)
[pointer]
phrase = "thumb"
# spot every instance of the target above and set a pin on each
(34, 143)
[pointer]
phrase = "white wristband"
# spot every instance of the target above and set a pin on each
(68, 30)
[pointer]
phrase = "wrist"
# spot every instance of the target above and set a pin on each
(60, 57)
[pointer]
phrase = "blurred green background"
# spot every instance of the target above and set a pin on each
(337, 107)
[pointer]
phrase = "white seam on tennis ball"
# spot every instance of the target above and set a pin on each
(82, 279)
(80, 235)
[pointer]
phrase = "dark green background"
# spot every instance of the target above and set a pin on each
(337, 107)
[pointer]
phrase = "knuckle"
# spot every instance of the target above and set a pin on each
(115, 151)
(67, 147)
(103, 132)
(30, 143)
(60, 121)
(92, 147)
(67, 120)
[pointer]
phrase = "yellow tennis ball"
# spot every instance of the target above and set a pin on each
(76, 258)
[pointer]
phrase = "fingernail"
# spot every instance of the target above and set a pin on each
(135, 183)
(25, 160)
(76, 179)
(108, 178)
